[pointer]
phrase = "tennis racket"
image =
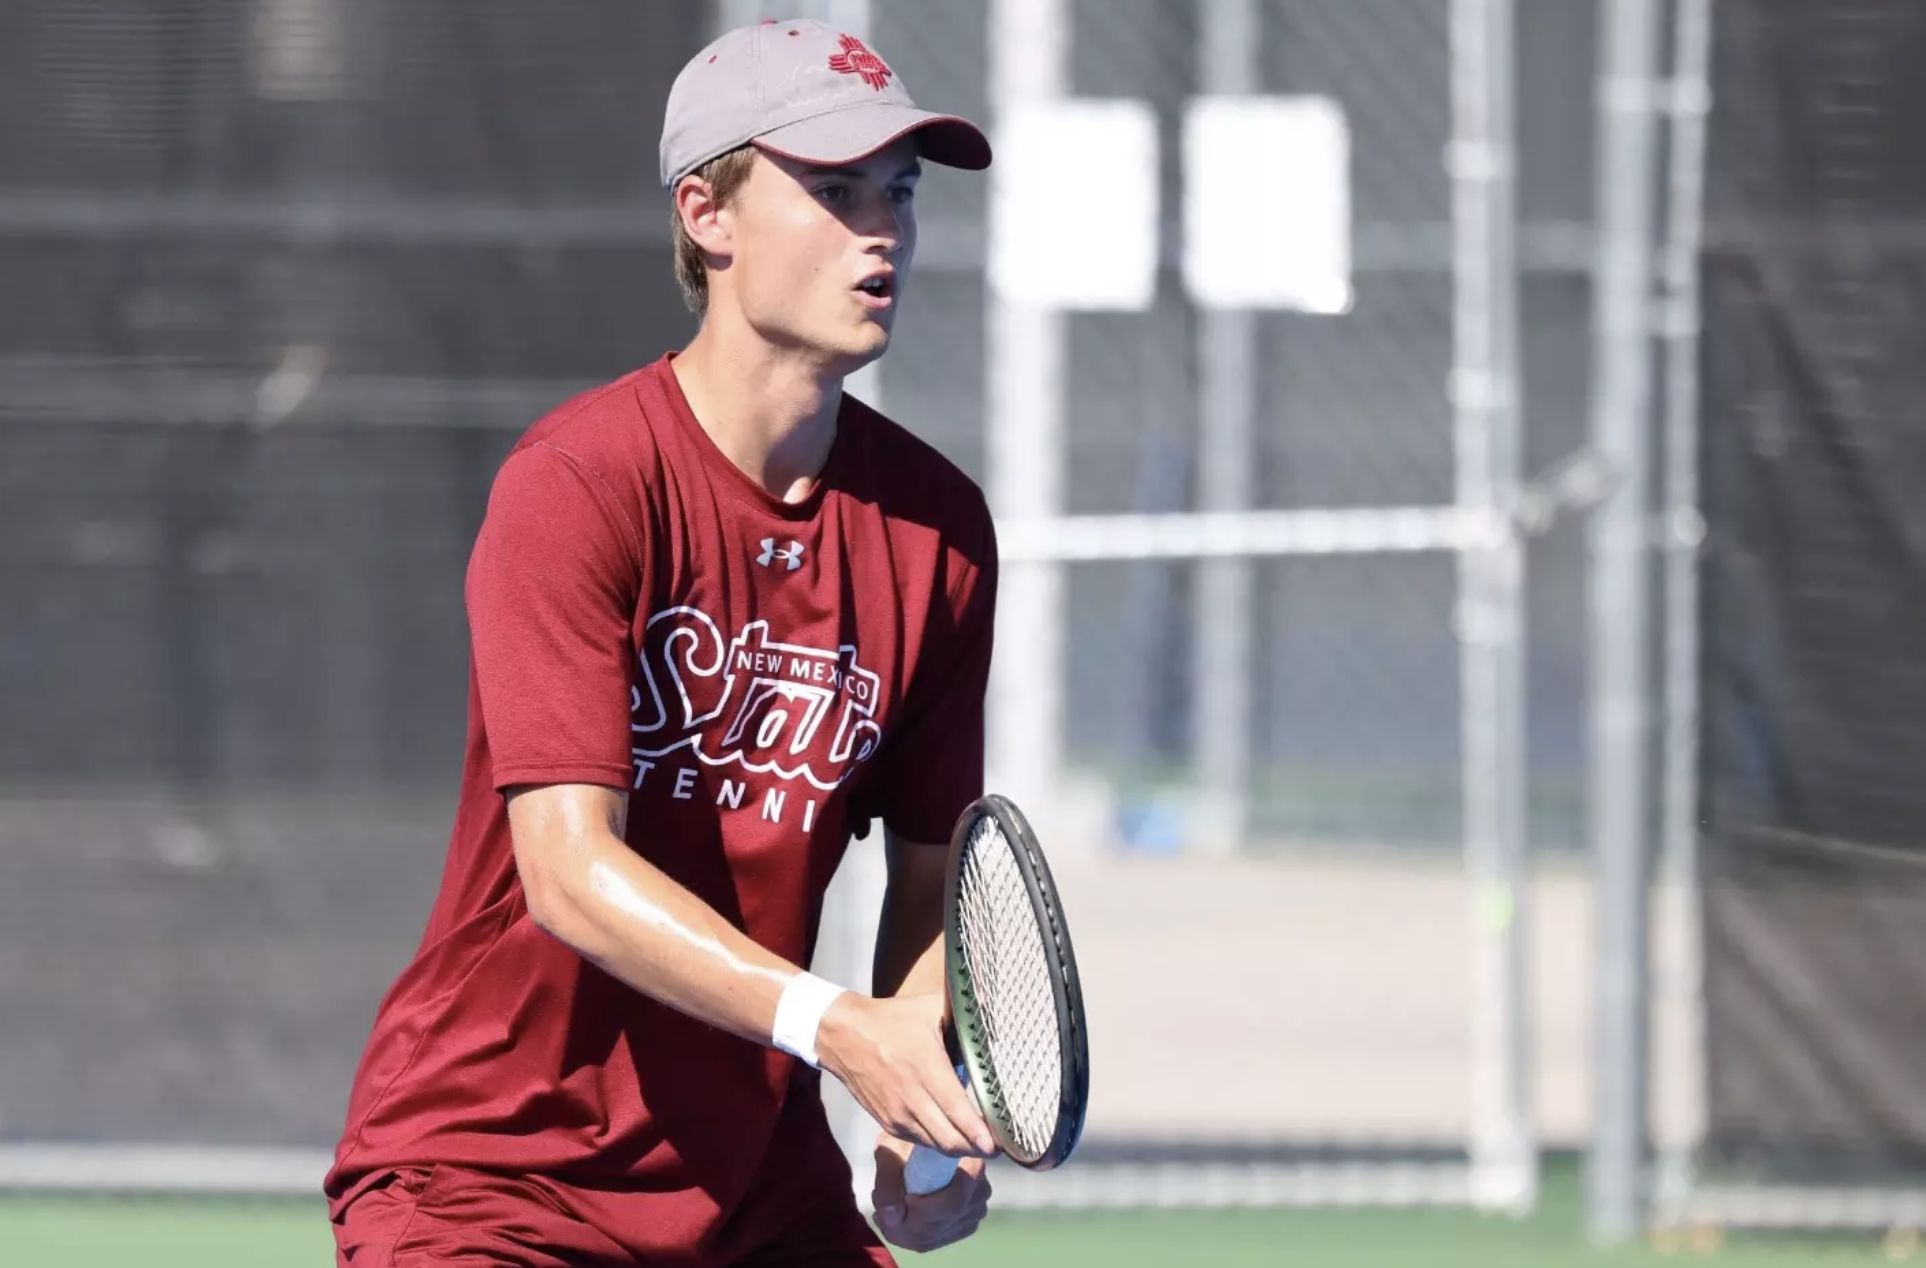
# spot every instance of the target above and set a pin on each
(1016, 1022)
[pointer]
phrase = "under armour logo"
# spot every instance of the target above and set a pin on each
(856, 59)
(791, 555)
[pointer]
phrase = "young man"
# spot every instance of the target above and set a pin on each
(721, 616)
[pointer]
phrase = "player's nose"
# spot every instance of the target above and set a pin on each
(885, 226)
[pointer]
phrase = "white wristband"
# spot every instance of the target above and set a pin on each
(800, 1011)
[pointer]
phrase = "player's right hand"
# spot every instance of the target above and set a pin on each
(889, 1053)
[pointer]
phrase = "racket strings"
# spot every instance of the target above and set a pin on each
(1009, 966)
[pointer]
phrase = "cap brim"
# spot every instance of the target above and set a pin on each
(849, 136)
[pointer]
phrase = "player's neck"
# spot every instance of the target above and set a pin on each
(770, 411)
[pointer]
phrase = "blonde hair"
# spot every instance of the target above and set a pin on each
(725, 175)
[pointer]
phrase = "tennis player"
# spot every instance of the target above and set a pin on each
(722, 617)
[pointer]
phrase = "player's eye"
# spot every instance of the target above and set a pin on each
(835, 195)
(902, 195)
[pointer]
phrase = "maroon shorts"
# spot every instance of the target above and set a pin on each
(798, 1213)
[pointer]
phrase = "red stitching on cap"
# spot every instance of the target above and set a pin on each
(856, 59)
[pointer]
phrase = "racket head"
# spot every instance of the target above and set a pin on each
(1021, 1035)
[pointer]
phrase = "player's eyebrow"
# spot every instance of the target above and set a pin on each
(915, 168)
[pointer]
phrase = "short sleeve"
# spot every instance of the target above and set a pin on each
(933, 767)
(551, 591)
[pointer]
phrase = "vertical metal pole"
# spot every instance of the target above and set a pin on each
(1228, 49)
(1621, 612)
(1486, 400)
(730, 14)
(1029, 61)
(852, 16)
(1690, 102)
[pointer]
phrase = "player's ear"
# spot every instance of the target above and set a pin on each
(705, 217)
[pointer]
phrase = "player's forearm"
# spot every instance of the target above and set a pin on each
(633, 921)
(909, 937)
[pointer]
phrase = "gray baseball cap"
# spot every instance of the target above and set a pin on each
(804, 90)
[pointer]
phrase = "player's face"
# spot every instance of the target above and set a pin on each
(821, 253)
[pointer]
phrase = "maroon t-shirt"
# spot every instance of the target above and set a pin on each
(763, 677)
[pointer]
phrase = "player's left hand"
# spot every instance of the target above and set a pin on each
(934, 1220)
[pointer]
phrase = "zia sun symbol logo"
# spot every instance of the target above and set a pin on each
(856, 59)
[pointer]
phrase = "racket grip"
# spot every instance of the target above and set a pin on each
(927, 1171)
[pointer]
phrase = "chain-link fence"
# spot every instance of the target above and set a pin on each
(1337, 1052)
(286, 277)
(282, 280)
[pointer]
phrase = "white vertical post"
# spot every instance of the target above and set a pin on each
(851, 16)
(1621, 612)
(730, 14)
(1029, 61)
(1485, 395)
(1228, 48)
(1690, 102)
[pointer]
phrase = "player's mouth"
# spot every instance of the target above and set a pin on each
(878, 291)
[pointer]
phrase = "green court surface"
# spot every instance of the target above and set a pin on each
(102, 1232)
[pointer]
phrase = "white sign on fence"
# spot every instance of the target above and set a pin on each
(1267, 203)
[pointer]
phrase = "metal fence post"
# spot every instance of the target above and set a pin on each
(1486, 414)
(1621, 611)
